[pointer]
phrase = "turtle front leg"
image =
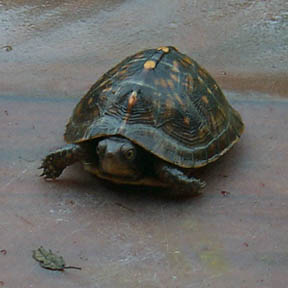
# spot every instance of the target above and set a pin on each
(55, 162)
(180, 183)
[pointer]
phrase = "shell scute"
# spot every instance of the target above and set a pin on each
(172, 108)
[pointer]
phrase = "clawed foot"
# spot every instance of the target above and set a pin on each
(57, 161)
(50, 168)
(181, 184)
(193, 188)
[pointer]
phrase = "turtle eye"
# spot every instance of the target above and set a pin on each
(128, 151)
(100, 150)
(129, 154)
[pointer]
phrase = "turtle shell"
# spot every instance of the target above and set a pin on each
(163, 101)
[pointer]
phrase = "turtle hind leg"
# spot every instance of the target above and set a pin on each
(181, 184)
(54, 163)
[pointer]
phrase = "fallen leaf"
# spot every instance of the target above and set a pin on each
(51, 261)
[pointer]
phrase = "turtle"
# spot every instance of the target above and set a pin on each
(151, 120)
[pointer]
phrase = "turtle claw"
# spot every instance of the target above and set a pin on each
(54, 163)
(182, 184)
(52, 167)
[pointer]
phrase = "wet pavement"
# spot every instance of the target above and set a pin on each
(234, 235)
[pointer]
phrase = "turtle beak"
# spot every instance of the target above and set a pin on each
(111, 158)
(108, 165)
(107, 152)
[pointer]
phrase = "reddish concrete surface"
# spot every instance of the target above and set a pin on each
(234, 235)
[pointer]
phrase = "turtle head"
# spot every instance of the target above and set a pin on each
(118, 157)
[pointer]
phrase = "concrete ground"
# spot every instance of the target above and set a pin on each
(234, 235)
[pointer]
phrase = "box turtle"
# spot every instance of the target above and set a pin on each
(150, 120)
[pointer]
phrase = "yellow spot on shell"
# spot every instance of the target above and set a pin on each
(78, 110)
(178, 98)
(124, 71)
(190, 79)
(213, 121)
(163, 83)
(187, 60)
(175, 66)
(215, 86)
(164, 49)
(156, 82)
(149, 64)
(209, 91)
(202, 133)
(104, 82)
(132, 100)
(203, 73)
(187, 121)
(102, 97)
(174, 77)
(170, 84)
(169, 105)
(200, 80)
(205, 99)
(90, 100)
(107, 89)
(139, 55)
(189, 82)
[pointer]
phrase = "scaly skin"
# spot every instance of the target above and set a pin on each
(181, 184)
(55, 162)
(165, 174)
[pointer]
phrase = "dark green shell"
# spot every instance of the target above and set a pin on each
(163, 101)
